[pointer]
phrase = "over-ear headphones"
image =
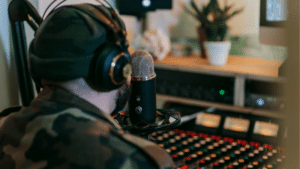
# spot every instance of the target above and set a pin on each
(107, 68)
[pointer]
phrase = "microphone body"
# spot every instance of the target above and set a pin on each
(142, 102)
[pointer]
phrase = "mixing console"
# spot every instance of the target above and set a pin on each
(192, 150)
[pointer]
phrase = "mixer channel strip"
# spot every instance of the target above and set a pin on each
(191, 150)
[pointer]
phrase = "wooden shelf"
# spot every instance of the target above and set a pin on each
(236, 65)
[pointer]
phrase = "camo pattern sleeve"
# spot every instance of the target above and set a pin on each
(57, 136)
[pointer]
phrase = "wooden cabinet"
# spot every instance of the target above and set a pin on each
(241, 69)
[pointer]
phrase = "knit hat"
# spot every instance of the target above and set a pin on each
(65, 44)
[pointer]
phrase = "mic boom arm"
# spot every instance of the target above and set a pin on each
(20, 11)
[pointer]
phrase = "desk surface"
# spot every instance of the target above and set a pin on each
(235, 65)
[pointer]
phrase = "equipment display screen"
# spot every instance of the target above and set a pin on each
(236, 124)
(266, 129)
(208, 120)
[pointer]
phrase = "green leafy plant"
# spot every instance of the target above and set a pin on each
(213, 19)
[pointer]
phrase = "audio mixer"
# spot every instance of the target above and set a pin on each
(219, 139)
(193, 150)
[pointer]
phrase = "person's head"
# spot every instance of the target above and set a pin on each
(81, 41)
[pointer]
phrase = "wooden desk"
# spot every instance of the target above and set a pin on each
(239, 67)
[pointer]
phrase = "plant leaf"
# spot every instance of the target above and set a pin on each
(235, 13)
(212, 4)
(195, 7)
(201, 17)
(192, 14)
(227, 8)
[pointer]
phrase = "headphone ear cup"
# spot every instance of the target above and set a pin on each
(107, 70)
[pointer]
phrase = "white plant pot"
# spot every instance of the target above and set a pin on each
(217, 52)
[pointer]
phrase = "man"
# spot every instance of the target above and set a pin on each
(68, 125)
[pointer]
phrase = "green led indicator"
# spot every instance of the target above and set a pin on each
(222, 92)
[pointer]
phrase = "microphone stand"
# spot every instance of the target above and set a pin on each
(20, 11)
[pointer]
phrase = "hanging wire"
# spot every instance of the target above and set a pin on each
(107, 3)
(48, 7)
(57, 5)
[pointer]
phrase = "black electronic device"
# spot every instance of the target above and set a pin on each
(195, 86)
(236, 140)
(190, 149)
(142, 102)
(265, 95)
(140, 7)
(232, 124)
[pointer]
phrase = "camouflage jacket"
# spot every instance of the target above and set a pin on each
(60, 130)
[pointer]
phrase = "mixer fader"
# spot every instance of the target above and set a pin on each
(194, 150)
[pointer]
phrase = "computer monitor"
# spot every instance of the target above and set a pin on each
(140, 7)
(273, 17)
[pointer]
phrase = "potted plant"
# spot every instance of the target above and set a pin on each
(213, 29)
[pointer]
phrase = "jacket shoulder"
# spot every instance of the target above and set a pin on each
(72, 138)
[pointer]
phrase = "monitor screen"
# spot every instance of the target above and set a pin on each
(273, 17)
(140, 7)
(276, 10)
(273, 12)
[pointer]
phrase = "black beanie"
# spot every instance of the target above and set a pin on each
(64, 45)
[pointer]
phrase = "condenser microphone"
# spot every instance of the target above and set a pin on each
(142, 102)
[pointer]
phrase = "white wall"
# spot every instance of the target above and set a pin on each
(246, 22)
(8, 87)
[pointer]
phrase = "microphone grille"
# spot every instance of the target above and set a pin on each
(142, 64)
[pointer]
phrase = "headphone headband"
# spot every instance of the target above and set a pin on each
(97, 12)
(112, 15)
(107, 68)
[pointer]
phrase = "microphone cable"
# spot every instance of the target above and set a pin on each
(150, 128)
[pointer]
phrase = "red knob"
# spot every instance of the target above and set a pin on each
(244, 143)
(188, 159)
(270, 147)
(192, 134)
(216, 164)
(176, 130)
(184, 167)
(205, 136)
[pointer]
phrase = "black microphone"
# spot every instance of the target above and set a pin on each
(142, 102)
